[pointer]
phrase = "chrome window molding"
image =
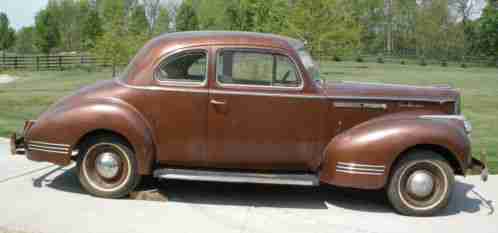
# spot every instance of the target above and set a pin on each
(263, 51)
(182, 83)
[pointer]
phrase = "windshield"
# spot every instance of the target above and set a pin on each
(310, 66)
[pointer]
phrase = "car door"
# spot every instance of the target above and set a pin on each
(259, 117)
(180, 103)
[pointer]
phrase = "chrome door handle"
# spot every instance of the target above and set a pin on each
(216, 102)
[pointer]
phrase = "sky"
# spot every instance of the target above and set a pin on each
(21, 12)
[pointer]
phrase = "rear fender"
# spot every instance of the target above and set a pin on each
(363, 156)
(68, 124)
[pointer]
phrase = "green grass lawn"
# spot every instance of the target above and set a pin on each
(33, 92)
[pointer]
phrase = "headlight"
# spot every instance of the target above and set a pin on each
(466, 124)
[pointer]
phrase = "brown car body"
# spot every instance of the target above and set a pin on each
(315, 129)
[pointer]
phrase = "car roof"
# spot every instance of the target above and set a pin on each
(195, 38)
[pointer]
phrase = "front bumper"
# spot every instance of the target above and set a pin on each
(17, 145)
(479, 167)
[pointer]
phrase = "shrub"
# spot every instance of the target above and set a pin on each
(463, 65)
(359, 59)
(403, 62)
(380, 60)
(444, 63)
(336, 58)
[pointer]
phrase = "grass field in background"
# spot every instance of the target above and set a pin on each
(33, 92)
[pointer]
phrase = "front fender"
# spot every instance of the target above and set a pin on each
(366, 153)
(69, 123)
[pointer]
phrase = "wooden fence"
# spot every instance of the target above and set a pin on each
(50, 62)
(413, 59)
(86, 61)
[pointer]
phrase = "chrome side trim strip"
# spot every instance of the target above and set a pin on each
(237, 177)
(49, 151)
(266, 94)
(359, 172)
(360, 165)
(48, 144)
(359, 105)
(444, 117)
(400, 98)
(359, 169)
(162, 88)
(444, 86)
(48, 148)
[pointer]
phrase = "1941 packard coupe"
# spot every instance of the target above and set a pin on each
(251, 108)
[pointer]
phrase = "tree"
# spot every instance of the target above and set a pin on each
(91, 24)
(328, 26)
(25, 42)
(111, 46)
(162, 23)
(488, 30)
(186, 17)
(47, 31)
(138, 21)
(270, 15)
(152, 11)
(7, 33)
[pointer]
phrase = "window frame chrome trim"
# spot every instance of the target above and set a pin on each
(262, 50)
(181, 83)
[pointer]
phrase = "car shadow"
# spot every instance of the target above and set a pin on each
(465, 198)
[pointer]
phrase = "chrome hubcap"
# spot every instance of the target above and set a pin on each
(107, 164)
(420, 184)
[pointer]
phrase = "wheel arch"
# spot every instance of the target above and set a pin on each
(102, 132)
(379, 145)
(446, 153)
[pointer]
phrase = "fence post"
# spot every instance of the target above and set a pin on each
(15, 62)
(37, 63)
(60, 62)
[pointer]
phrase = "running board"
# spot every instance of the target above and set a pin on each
(303, 179)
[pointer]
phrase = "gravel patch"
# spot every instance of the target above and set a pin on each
(6, 79)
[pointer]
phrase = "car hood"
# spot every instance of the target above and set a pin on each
(359, 90)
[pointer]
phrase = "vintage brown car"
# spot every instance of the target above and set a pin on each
(251, 108)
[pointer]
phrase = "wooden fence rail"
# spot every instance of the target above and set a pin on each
(50, 62)
(86, 61)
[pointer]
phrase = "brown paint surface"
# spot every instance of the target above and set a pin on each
(255, 128)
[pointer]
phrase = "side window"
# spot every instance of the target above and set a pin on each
(254, 68)
(188, 67)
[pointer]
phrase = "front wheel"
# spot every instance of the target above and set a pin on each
(108, 167)
(421, 184)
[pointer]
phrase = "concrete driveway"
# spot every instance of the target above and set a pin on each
(39, 197)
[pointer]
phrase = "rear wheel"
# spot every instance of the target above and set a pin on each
(421, 184)
(108, 167)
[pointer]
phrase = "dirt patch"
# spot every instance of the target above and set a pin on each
(6, 79)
